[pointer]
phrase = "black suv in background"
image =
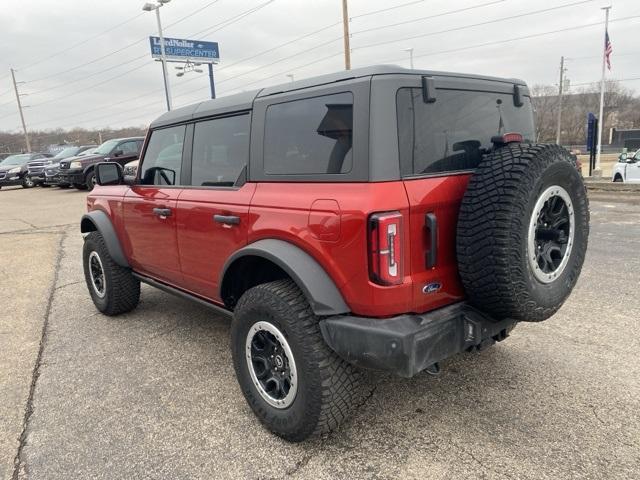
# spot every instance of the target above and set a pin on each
(36, 168)
(79, 172)
(14, 170)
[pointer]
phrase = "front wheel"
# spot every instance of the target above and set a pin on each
(113, 289)
(27, 182)
(292, 381)
(90, 180)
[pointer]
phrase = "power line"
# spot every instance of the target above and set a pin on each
(525, 37)
(84, 42)
(450, 12)
(385, 9)
(232, 20)
(102, 57)
(464, 27)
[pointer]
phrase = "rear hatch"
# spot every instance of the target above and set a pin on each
(440, 144)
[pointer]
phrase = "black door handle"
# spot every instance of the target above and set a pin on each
(162, 212)
(227, 219)
(431, 223)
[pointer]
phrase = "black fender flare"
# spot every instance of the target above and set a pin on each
(99, 221)
(319, 289)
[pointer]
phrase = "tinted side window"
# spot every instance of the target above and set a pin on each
(128, 148)
(163, 157)
(454, 132)
(220, 151)
(310, 136)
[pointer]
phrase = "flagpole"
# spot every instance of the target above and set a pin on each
(601, 115)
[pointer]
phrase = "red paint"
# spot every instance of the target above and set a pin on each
(188, 248)
(203, 243)
(152, 246)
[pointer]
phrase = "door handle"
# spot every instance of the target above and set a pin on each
(227, 219)
(162, 212)
(431, 223)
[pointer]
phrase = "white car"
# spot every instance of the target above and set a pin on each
(628, 168)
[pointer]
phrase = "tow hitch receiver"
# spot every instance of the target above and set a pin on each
(408, 344)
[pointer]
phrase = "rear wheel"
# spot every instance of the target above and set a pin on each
(522, 231)
(290, 378)
(617, 178)
(113, 289)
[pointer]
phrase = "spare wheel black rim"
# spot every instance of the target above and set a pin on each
(96, 272)
(271, 365)
(551, 234)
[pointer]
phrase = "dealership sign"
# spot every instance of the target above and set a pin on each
(180, 50)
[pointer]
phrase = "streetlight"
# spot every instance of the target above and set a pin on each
(189, 67)
(290, 75)
(148, 7)
(410, 50)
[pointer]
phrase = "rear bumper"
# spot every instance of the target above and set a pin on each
(407, 344)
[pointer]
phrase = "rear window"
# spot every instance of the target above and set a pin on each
(310, 136)
(454, 132)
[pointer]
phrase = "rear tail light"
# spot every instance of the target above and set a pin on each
(511, 137)
(385, 248)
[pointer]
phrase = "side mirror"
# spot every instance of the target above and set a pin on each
(118, 153)
(622, 157)
(109, 173)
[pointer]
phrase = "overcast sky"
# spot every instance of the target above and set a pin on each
(78, 75)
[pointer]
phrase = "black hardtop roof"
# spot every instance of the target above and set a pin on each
(244, 100)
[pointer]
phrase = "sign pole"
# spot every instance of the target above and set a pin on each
(213, 86)
(601, 115)
(163, 59)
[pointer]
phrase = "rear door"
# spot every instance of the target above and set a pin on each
(213, 209)
(150, 207)
(440, 144)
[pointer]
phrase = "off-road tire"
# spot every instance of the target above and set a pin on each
(328, 387)
(494, 225)
(122, 291)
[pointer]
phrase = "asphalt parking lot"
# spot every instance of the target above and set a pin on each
(152, 394)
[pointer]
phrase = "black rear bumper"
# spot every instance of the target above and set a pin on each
(408, 344)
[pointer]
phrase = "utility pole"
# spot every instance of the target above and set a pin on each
(410, 50)
(603, 52)
(560, 91)
(24, 125)
(345, 25)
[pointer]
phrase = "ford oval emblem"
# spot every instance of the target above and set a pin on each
(431, 287)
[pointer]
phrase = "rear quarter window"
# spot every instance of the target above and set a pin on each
(310, 136)
(452, 133)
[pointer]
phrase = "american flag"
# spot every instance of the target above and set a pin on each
(608, 49)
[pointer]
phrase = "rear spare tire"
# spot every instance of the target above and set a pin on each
(522, 231)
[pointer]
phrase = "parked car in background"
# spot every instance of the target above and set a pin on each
(52, 172)
(79, 171)
(36, 168)
(628, 168)
(14, 170)
(131, 169)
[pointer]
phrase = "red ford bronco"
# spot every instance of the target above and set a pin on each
(378, 218)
